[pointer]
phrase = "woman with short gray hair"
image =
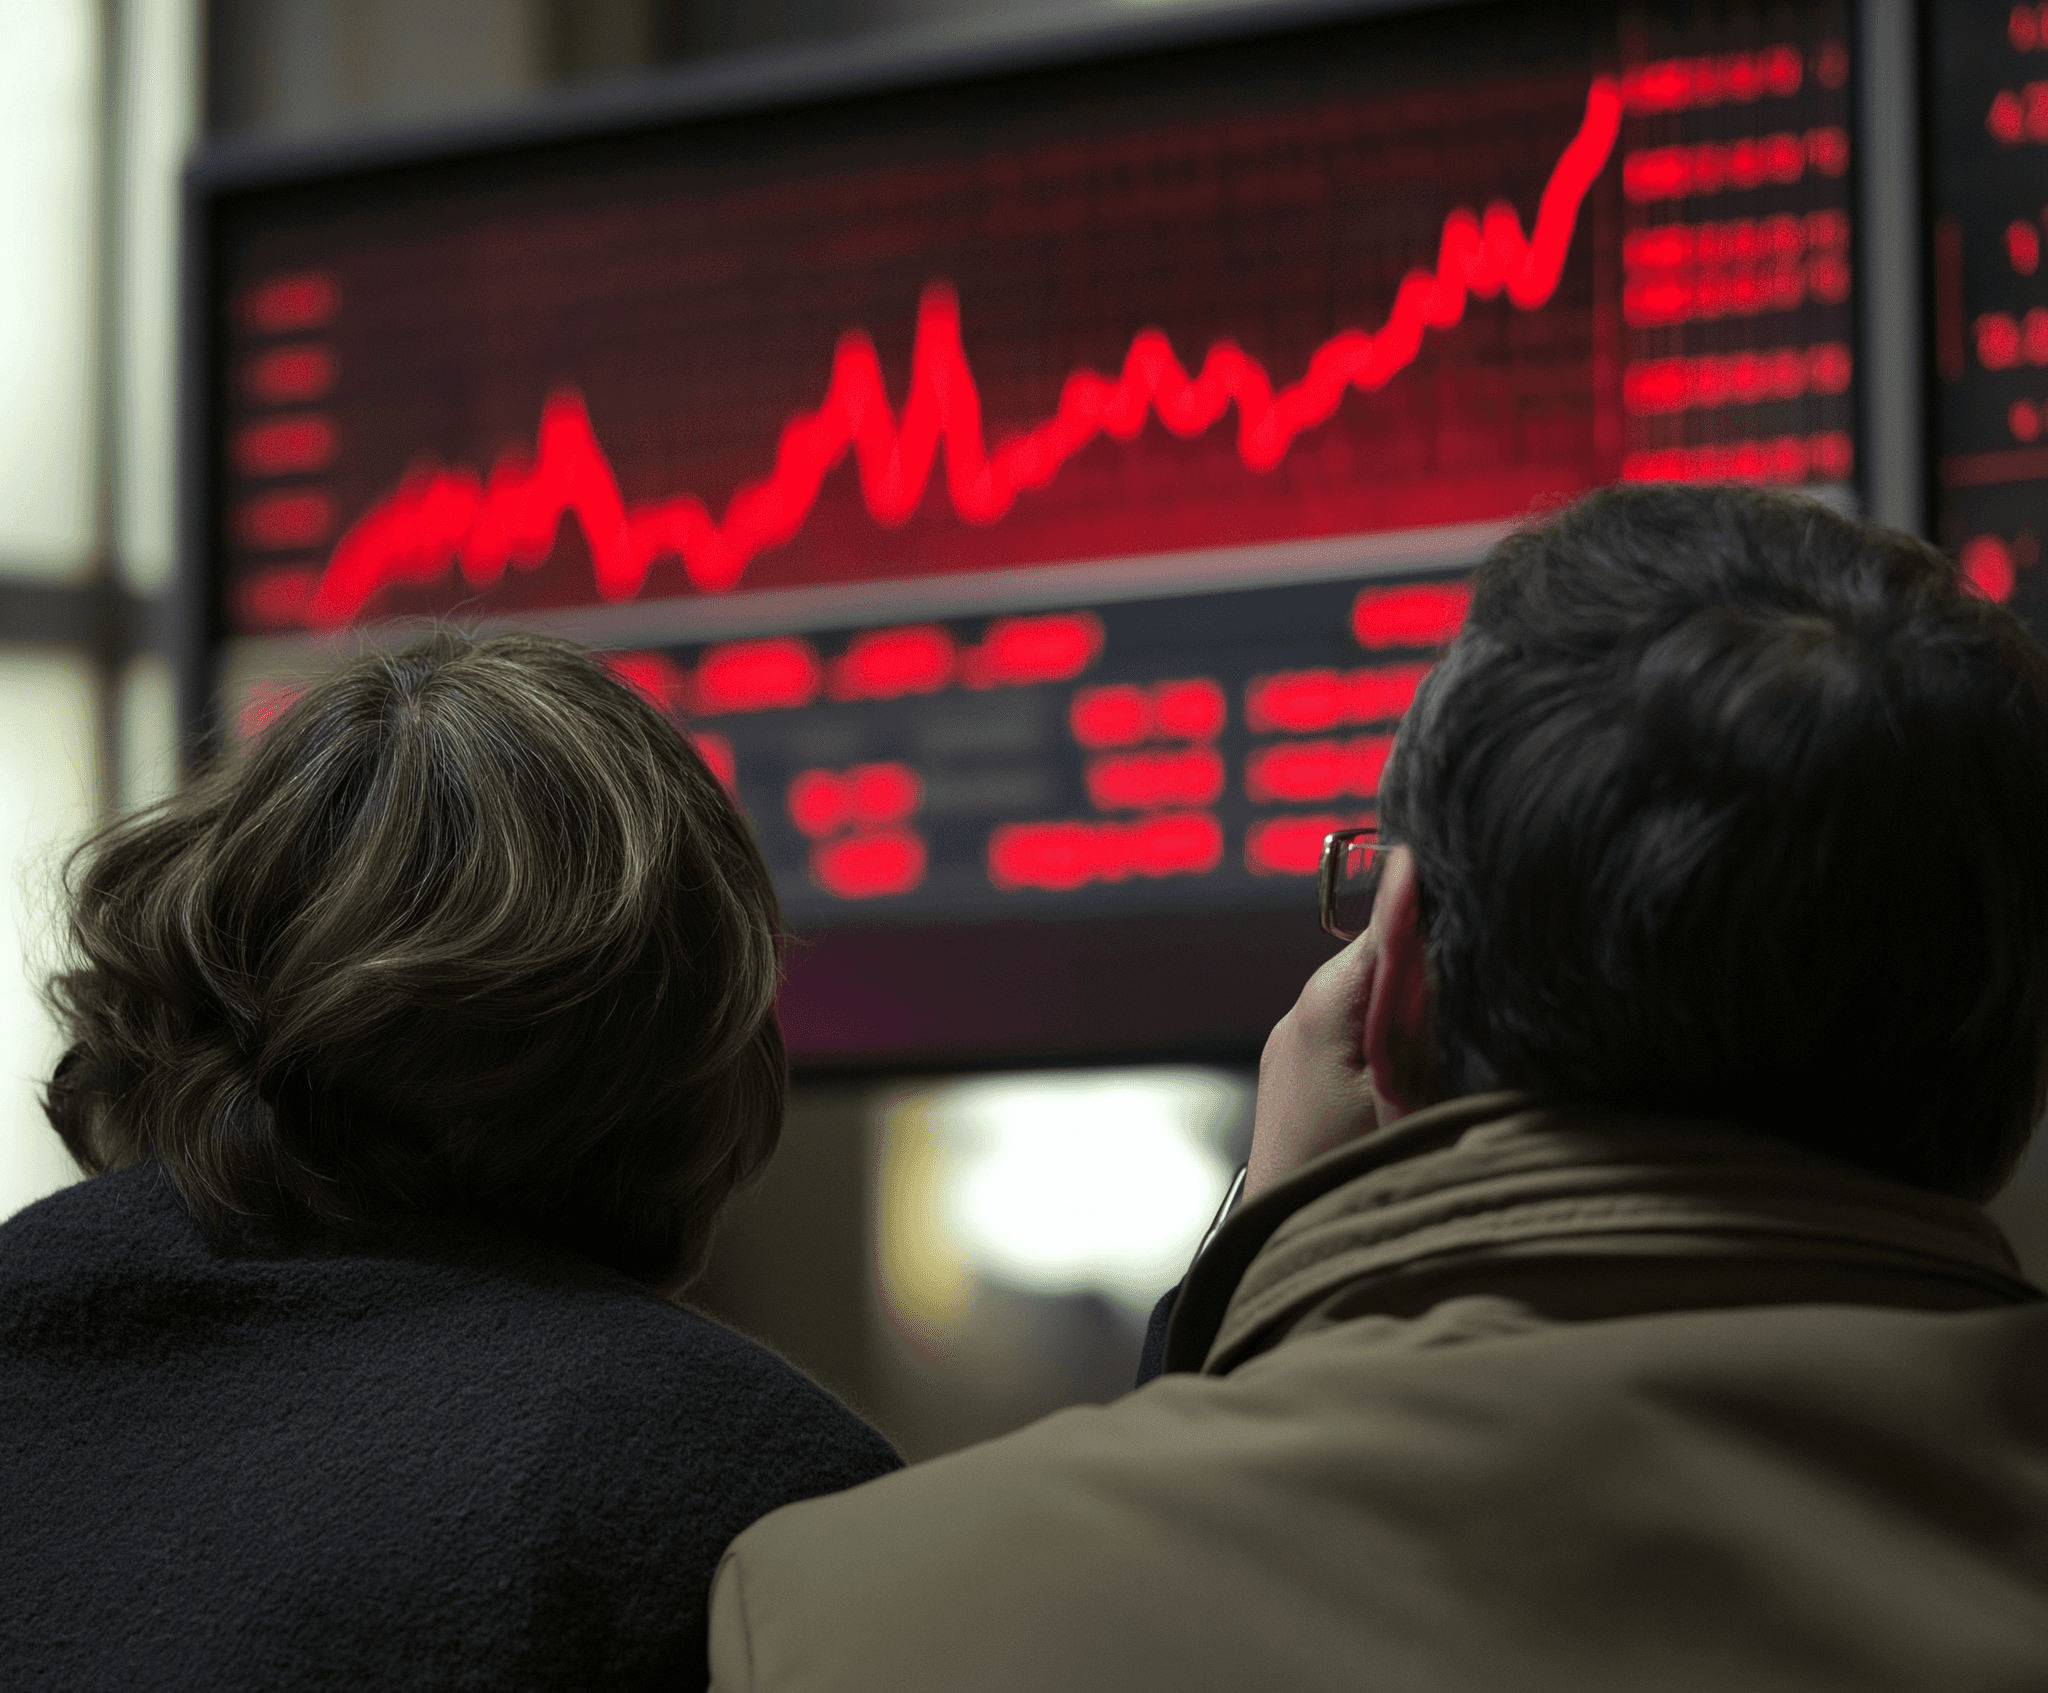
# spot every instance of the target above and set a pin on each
(412, 1056)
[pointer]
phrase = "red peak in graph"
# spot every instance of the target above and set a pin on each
(439, 518)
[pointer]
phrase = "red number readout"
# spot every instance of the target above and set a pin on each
(1146, 781)
(1308, 701)
(823, 802)
(1783, 458)
(1065, 856)
(1702, 381)
(1124, 713)
(286, 520)
(1707, 167)
(304, 300)
(1426, 615)
(886, 664)
(782, 671)
(1018, 651)
(1296, 771)
(288, 374)
(869, 866)
(1293, 846)
(651, 675)
(1676, 85)
(284, 445)
(857, 820)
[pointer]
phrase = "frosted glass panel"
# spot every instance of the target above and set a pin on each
(47, 760)
(47, 75)
(159, 79)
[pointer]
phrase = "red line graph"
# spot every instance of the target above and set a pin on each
(439, 518)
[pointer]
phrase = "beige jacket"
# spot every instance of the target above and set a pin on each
(1500, 1398)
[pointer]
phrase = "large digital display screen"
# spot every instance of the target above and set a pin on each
(1988, 111)
(1040, 492)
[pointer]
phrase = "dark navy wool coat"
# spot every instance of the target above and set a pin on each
(445, 1460)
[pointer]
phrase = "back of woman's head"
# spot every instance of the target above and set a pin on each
(471, 931)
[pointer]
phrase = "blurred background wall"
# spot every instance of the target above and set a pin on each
(306, 66)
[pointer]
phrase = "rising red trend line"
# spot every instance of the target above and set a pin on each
(437, 518)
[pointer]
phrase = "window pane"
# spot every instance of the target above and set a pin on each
(159, 79)
(149, 741)
(48, 755)
(47, 73)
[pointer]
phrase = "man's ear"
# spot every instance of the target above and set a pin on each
(1399, 1030)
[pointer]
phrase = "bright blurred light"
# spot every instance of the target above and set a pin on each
(159, 85)
(1063, 1182)
(48, 730)
(48, 80)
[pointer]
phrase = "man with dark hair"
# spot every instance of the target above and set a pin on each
(1612, 1305)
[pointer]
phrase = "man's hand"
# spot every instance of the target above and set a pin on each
(1315, 1091)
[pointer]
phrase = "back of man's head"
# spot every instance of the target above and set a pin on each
(1724, 805)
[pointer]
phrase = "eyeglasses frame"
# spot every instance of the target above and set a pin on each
(1330, 874)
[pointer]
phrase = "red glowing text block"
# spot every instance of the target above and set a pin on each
(886, 664)
(2023, 246)
(1297, 700)
(1653, 386)
(1676, 85)
(1293, 846)
(1124, 713)
(1119, 715)
(651, 675)
(782, 671)
(1987, 567)
(883, 793)
(1667, 246)
(1785, 458)
(1707, 167)
(870, 865)
(1661, 298)
(289, 374)
(275, 599)
(716, 751)
(1064, 856)
(284, 445)
(1426, 615)
(1147, 781)
(1296, 771)
(286, 520)
(2014, 118)
(2004, 342)
(1309, 701)
(1017, 652)
(304, 300)
(822, 802)
(1194, 710)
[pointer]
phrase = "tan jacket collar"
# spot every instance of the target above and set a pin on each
(1494, 1184)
